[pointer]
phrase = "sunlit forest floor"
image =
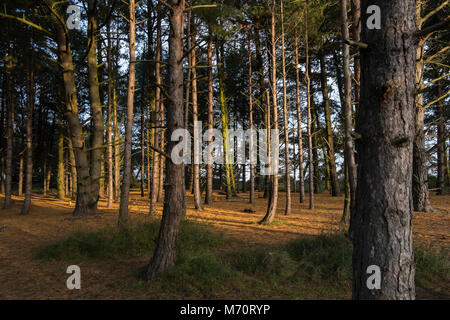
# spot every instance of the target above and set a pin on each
(22, 276)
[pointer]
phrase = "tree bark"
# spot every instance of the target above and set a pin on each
(287, 209)
(197, 147)
(126, 180)
(299, 123)
(308, 104)
(273, 196)
(174, 201)
(335, 189)
(382, 231)
(252, 142)
(348, 112)
(29, 138)
(9, 141)
(209, 166)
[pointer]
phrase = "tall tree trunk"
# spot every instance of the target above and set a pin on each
(382, 223)
(224, 116)
(252, 142)
(126, 181)
(442, 146)
(97, 147)
(9, 142)
(308, 104)
(109, 141)
(157, 112)
(116, 145)
(287, 209)
(273, 197)
(197, 147)
(174, 201)
(29, 137)
(348, 123)
(85, 202)
(420, 172)
(299, 123)
(335, 189)
(209, 166)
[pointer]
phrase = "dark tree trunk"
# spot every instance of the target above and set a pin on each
(29, 139)
(9, 142)
(382, 231)
(174, 200)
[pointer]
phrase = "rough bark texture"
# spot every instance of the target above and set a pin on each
(174, 200)
(382, 233)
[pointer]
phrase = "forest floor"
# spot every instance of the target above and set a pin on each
(22, 276)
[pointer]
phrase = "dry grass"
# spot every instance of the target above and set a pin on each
(21, 237)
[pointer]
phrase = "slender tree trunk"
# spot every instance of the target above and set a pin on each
(209, 166)
(382, 223)
(29, 138)
(174, 202)
(60, 175)
(197, 147)
(73, 169)
(308, 104)
(126, 181)
(442, 147)
(252, 142)
(20, 183)
(348, 123)
(9, 143)
(142, 149)
(161, 159)
(109, 141)
(273, 197)
(299, 123)
(116, 146)
(287, 209)
(335, 189)
(157, 112)
(420, 173)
